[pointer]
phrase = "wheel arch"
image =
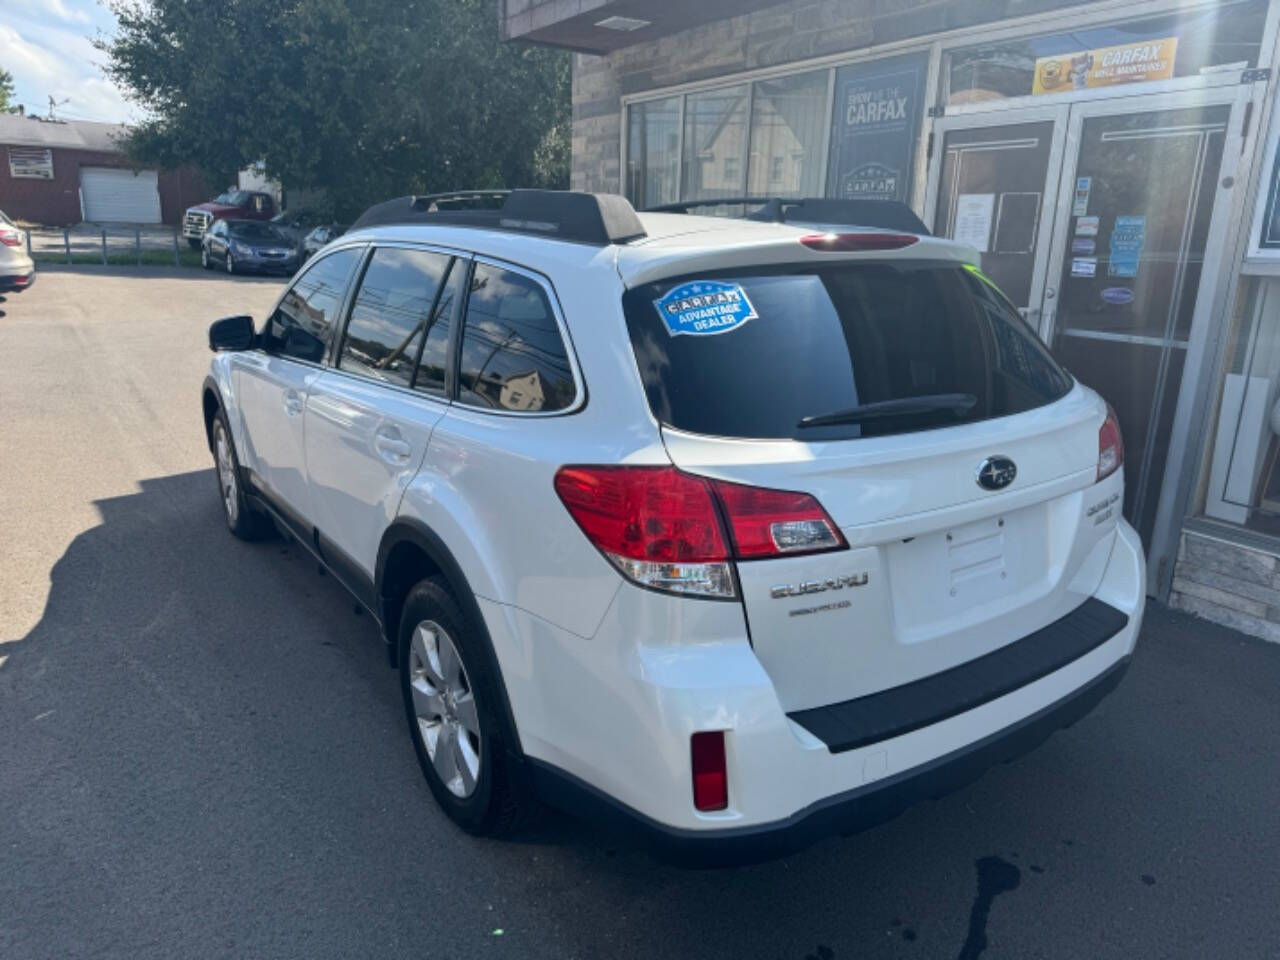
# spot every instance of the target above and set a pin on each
(409, 552)
(211, 403)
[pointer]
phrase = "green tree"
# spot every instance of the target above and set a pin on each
(6, 91)
(359, 99)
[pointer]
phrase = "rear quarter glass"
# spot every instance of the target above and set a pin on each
(822, 339)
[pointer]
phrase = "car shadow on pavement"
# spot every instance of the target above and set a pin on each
(204, 753)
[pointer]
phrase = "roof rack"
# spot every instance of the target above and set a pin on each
(599, 219)
(878, 214)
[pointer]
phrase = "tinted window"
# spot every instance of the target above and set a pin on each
(832, 339)
(390, 312)
(435, 353)
(512, 354)
(300, 325)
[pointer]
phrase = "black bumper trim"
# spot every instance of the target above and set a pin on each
(843, 813)
(891, 713)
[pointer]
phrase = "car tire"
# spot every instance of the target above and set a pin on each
(453, 716)
(204, 258)
(230, 262)
(242, 519)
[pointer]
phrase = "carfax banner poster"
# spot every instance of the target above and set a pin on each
(877, 116)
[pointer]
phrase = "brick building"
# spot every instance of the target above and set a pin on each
(62, 172)
(1114, 162)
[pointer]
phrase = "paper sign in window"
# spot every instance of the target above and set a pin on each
(973, 220)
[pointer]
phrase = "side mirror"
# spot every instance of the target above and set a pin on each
(231, 333)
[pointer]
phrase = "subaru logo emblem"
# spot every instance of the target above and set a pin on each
(996, 473)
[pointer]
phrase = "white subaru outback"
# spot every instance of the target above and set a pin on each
(735, 533)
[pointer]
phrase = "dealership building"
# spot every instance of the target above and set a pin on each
(1114, 162)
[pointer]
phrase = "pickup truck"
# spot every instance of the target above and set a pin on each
(231, 205)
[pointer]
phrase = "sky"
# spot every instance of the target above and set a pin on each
(47, 46)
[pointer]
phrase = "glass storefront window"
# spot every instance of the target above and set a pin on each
(1223, 37)
(653, 152)
(788, 118)
(1244, 469)
(715, 142)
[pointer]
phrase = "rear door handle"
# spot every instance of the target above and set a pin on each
(392, 446)
(292, 402)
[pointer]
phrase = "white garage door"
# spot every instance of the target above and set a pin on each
(119, 196)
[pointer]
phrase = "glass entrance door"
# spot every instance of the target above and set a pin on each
(994, 189)
(1136, 204)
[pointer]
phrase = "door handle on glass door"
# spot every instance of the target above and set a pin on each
(292, 402)
(391, 445)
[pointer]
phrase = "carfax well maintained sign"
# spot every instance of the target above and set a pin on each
(877, 114)
(704, 307)
(1136, 62)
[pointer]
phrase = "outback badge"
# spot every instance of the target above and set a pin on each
(996, 473)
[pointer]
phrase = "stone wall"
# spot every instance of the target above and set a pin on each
(788, 32)
(1234, 585)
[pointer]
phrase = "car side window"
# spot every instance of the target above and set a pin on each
(435, 352)
(513, 357)
(392, 309)
(300, 325)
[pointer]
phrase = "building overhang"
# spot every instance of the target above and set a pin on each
(602, 26)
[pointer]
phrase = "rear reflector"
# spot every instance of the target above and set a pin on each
(710, 774)
(1110, 446)
(662, 527)
(836, 242)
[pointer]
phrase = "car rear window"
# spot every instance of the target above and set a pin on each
(932, 344)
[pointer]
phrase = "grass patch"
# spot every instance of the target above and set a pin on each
(149, 258)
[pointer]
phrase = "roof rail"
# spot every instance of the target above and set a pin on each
(599, 219)
(878, 214)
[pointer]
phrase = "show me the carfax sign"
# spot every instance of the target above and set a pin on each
(1137, 62)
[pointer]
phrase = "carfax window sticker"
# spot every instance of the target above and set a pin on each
(704, 307)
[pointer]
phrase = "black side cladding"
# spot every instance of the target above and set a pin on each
(898, 710)
(599, 219)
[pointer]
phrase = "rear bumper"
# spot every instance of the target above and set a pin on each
(15, 282)
(610, 736)
(843, 813)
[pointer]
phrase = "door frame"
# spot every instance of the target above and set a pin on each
(1163, 533)
(1057, 113)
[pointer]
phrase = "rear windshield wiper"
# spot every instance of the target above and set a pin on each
(955, 402)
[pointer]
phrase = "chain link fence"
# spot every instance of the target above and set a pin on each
(111, 245)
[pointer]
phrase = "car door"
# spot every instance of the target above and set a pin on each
(271, 383)
(369, 418)
(217, 240)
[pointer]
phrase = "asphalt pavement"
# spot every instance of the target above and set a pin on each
(203, 754)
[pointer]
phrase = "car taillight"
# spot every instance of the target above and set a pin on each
(1110, 446)
(662, 527)
(858, 241)
(10, 237)
(765, 523)
(710, 772)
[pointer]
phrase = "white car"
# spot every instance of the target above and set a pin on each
(731, 532)
(17, 270)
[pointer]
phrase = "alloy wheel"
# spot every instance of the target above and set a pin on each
(226, 473)
(445, 708)
(231, 266)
